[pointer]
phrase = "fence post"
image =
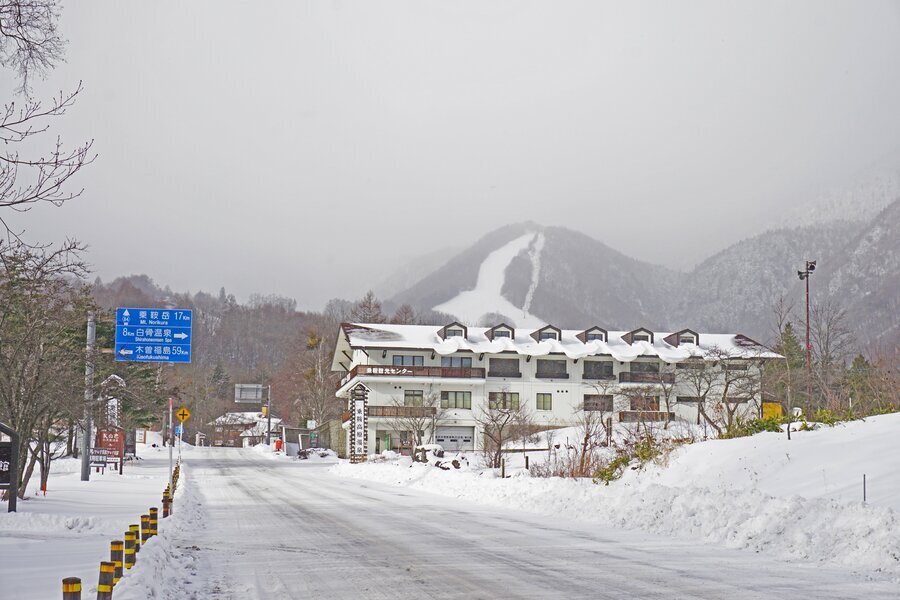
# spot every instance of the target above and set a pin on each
(502, 468)
(71, 588)
(116, 557)
(136, 530)
(864, 488)
(130, 557)
(526, 463)
(145, 528)
(105, 585)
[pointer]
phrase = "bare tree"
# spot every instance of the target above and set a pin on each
(502, 419)
(367, 310)
(31, 45)
(416, 417)
(832, 341)
(405, 315)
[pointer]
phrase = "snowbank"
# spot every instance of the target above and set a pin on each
(709, 492)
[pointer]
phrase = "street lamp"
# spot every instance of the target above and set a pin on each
(804, 276)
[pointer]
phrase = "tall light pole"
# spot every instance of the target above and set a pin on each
(88, 397)
(269, 417)
(804, 276)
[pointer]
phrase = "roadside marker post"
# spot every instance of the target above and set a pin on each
(105, 583)
(130, 557)
(145, 528)
(71, 588)
(136, 530)
(117, 558)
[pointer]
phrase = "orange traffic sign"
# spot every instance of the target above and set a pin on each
(183, 414)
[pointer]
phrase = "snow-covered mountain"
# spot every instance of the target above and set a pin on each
(529, 273)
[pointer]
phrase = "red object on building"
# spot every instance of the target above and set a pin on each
(277, 445)
(112, 439)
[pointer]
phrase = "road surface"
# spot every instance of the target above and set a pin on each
(274, 529)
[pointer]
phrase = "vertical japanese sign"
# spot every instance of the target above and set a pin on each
(359, 423)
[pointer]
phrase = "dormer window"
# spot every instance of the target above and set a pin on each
(594, 334)
(452, 330)
(685, 336)
(640, 334)
(499, 331)
(548, 332)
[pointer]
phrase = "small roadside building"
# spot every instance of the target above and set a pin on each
(243, 429)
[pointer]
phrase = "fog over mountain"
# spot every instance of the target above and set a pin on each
(576, 281)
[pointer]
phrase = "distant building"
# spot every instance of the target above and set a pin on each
(461, 372)
(243, 429)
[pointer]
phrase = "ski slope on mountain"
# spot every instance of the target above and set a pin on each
(486, 297)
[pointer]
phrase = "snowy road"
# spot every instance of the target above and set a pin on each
(278, 529)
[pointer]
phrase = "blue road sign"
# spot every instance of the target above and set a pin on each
(153, 335)
(179, 429)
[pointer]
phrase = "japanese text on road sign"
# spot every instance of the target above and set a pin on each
(153, 335)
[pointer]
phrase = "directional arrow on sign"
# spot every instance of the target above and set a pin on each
(125, 352)
(126, 313)
(180, 336)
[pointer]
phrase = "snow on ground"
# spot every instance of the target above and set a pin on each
(67, 532)
(470, 306)
(792, 500)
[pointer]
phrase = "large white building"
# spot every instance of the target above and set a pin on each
(460, 372)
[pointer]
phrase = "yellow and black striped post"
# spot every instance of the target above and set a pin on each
(154, 520)
(166, 506)
(105, 585)
(130, 556)
(136, 530)
(145, 528)
(117, 558)
(71, 588)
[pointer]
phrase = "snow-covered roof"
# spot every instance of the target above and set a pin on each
(243, 418)
(425, 337)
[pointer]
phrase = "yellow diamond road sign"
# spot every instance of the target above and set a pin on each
(183, 414)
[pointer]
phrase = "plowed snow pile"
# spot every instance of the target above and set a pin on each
(798, 499)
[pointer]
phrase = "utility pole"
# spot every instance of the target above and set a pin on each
(269, 417)
(171, 443)
(804, 275)
(88, 397)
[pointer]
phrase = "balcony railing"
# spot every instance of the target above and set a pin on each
(516, 375)
(394, 371)
(627, 377)
(642, 416)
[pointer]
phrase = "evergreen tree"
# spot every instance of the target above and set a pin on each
(790, 347)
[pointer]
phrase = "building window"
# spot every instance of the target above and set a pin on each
(598, 369)
(646, 403)
(645, 367)
(737, 366)
(551, 369)
(503, 400)
(456, 362)
(413, 398)
(456, 400)
(641, 337)
(594, 337)
(690, 364)
(454, 333)
(501, 333)
(687, 399)
(544, 401)
(408, 360)
(598, 402)
(504, 367)
(547, 335)
(687, 339)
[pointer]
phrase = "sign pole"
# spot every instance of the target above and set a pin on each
(88, 397)
(269, 415)
(171, 442)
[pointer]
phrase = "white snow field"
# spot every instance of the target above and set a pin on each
(471, 305)
(799, 500)
(67, 532)
(252, 525)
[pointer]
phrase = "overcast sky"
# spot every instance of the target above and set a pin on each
(309, 149)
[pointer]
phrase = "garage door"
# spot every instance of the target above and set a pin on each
(455, 439)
